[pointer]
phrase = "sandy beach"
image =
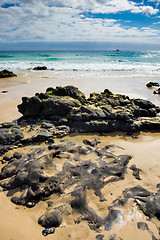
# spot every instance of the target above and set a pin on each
(18, 222)
(80, 120)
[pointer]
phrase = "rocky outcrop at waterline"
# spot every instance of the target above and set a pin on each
(101, 112)
(39, 68)
(6, 73)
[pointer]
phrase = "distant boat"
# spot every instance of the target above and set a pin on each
(117, 50)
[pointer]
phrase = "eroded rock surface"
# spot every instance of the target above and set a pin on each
(86, 167)
(10, 133)
(101, 112)
(27, 171)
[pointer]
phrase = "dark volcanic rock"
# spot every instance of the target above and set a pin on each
(100, 237)
(150, 205)
(51, 218)
(53, 106)
(7, 158)
(47, 125)
(76, 177)
(144, 104)
(40, 68)
(113, 216)
(6, 73)
(30, 107)
(70, 91)
(41, 136)
(136, 172)
(28, 173)
(104, 112)
(92, 143)
(152, 84)
(10, 133)
(150, 123)
(157, 91)
(67, 168)
(4, 91)
(144, 226)
(47, 231)
(17, 155)
(148, 202)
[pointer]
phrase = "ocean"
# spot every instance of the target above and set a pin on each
(120, 71)
(116, 61)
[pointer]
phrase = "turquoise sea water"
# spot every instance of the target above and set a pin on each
(135, 62)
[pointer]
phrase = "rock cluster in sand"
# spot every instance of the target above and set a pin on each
(101, 112)
(57, 113)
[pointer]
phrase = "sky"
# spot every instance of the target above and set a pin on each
(71, 24)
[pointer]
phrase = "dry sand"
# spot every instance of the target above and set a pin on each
(18, 222)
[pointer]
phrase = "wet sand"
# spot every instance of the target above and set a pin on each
(18, 222)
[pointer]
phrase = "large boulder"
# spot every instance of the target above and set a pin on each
(51, 218)
(6, 73)
(70, 91)
(52, 106)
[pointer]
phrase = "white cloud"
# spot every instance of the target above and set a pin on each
(62, 20)
(95, 6)
(148, 10)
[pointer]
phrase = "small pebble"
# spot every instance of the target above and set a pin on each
(4, 91)
(47, 231)
(17, 155)
(30, 204)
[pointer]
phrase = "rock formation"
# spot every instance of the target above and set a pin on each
(101, 112)
(6, 73)
(40, 68)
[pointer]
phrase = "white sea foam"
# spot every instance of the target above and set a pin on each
(141, 69)
(83, 61)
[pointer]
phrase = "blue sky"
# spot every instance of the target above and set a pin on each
(51, 24)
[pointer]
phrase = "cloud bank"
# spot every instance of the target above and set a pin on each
(78, 20)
